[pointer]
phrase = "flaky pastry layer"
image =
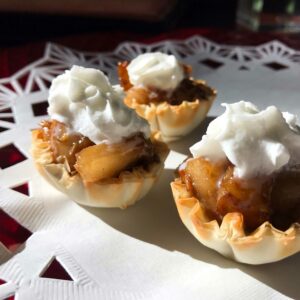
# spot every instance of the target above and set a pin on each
(121, 192)
(266, 244)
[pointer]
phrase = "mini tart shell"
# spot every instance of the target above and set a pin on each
(173, 122)
(266, 244)
(122, 191)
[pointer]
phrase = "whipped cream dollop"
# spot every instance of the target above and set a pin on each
(155, 70)
(256, 142)
(84, 100)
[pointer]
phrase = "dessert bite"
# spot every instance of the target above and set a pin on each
(163, 92)
(240, 193)
(94, 148)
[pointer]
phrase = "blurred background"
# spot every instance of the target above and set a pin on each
(31, 20)
(25, 21)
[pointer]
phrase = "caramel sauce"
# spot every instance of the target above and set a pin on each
(64, 145)
(187, 90)
(250, 197)
(123, 75)
(274, 198)
(148, 154)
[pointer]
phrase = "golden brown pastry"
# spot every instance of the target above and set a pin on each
(163, 92)
(240, 193)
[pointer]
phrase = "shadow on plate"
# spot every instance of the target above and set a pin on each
(155, 220)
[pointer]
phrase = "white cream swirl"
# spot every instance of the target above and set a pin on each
(84, 100)
(255, 142)
(155, 70)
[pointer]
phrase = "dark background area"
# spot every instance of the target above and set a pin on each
(24, 27)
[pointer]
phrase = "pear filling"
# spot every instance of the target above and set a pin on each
(187, 90)
(274, 198)
(96, 162)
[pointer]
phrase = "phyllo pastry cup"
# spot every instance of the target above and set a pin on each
(239, 193)
(162, 91)
(121, 190)
(94, 148)
(264, 245)
(174, 121)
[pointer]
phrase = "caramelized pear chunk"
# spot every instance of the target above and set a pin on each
(64, 145)
(204, 176)
(215, 185)
(250, 197)
(108, 160)
(96, 162)
(274, 198)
